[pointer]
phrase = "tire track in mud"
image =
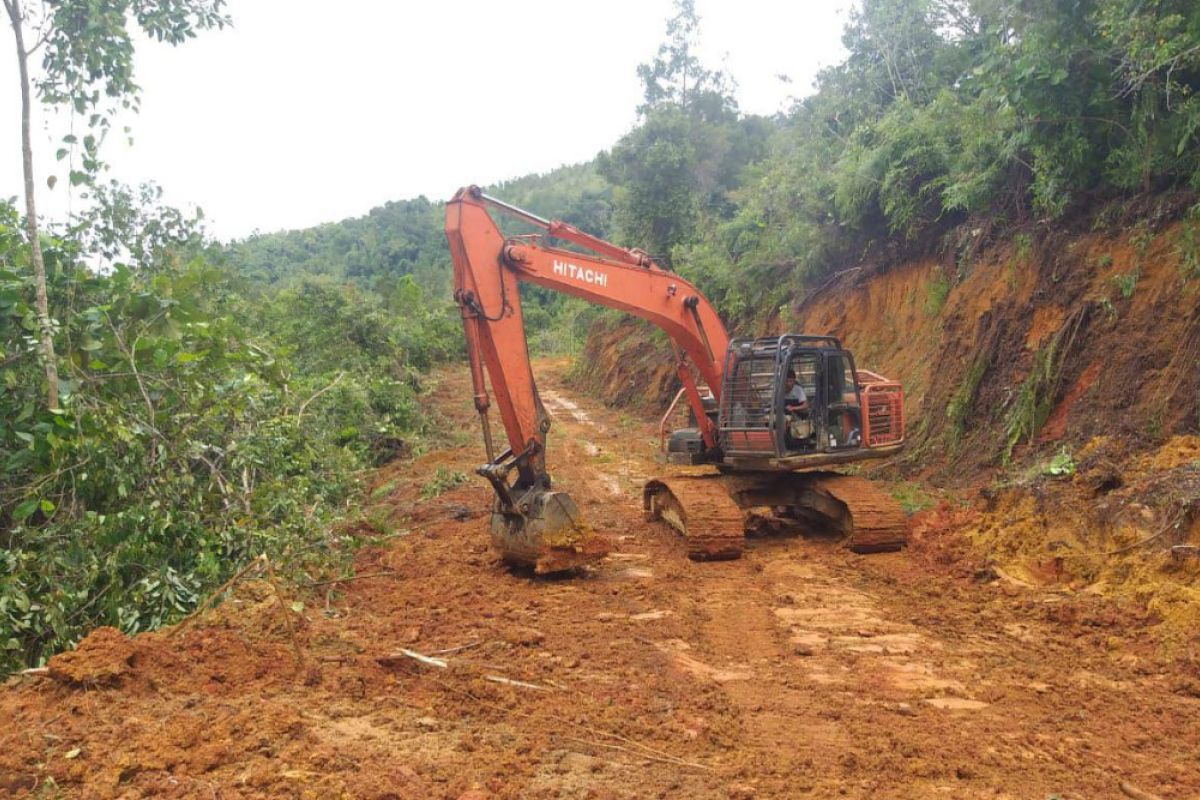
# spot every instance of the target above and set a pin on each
(569, 410)
(789, 644)
(796, 605)
(803, 670)
(809, 663)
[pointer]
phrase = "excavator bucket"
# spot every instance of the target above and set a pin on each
(545, 532)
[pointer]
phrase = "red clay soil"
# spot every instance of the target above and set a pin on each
(800, 670)
(1113, 313)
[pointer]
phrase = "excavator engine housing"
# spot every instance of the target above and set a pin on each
(686, 446)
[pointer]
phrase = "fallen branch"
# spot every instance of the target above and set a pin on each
(317, 394)
(644, 750)
(414, 655)
(351, 578)
(1174, 523)
(460, 648)
(440, 663)
(636, 748)
(35, 672)
(1185, 551)
(1011, 579)
(640, 753)
(257, 563)
(287, 615)
(511, 682)
(1129, 790)
(832, 279)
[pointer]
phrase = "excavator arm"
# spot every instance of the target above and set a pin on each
(488, 268)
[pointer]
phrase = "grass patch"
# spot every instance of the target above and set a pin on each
(1022, 247)
(1034, 401)
(1060, 465)
(1188, 247)
(937, 293)
(1141, 239)
(1110, 311)
(443, 480)
(912, 497)
(385, 489)
(1037, 393)
(378, 520)
(959, 409)
(1126, 282)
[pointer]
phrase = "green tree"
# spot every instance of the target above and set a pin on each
(1156, 47)
(678, 167)
(87, 66)
(675, 76)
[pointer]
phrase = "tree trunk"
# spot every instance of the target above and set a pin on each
(31, 224)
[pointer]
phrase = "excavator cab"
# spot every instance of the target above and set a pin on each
(760, 424)
(832, 418)
(777, 451)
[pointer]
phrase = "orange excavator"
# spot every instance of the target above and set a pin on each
(775, 416)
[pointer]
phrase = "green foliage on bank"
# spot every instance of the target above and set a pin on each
(944, 115)
(204, 419)
(944, 112)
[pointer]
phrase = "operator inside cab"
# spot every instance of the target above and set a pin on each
(794, 399)
(796, 412)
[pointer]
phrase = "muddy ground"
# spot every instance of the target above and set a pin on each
(800, 670)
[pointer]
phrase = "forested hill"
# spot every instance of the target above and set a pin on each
(405, 237)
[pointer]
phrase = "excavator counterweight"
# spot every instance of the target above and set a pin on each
(771, 415)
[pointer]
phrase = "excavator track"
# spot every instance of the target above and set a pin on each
(714, 512)
(874, 523)
(700, 508)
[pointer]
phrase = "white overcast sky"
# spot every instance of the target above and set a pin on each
(308, 112)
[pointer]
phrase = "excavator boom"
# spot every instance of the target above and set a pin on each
(488, 268)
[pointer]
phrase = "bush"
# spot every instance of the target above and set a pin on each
(201, 424)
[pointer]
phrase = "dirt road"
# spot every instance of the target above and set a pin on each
(799, 671)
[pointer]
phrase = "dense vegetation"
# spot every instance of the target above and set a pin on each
(216, 401)
(203, 420)
(169, 409)
(1003, 115)
(404, 240)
